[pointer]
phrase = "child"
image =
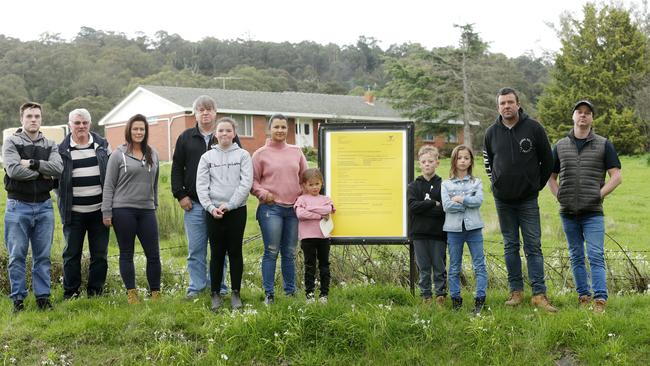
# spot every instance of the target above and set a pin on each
(223, 178)
(310, 208)
(462, 196)
(427, 217)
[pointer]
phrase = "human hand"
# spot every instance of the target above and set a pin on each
(216, 213)
(458, 199)
(326, 217)
(24, 162)
(108, 222)
(270, 199)
(185, 203)
(223, 208)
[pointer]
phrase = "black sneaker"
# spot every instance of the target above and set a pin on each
(71, 295)
(44, 303)
(18, 306)
(217, 300)
(269, 299)
(479, 302)
(456, 303)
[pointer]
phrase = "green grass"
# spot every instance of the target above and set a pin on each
(371, 317)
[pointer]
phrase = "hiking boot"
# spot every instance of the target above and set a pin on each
(427, 300)
(217, 300)
(323, 299)
(235, 300)
(440, 301)
(584, 301)
(132, 296)
(44, 303)
(155, 295)
(479, 302)
(516, 298)
(541, 301)
(310, 298)
(599, 306)
(269, 299)
(18, 306)
(456, 303)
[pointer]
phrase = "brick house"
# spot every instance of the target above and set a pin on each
(169, 112)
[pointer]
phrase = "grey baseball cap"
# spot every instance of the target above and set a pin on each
(584, 102)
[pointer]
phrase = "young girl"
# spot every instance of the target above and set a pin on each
(462, 196)
(311, 207)
(223, 178)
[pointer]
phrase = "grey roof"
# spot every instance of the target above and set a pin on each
(284, 102)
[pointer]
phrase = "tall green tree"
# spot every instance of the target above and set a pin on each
(604, 58)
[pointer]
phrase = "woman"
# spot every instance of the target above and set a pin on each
(223, 179)
(277, 168)
(129, 204)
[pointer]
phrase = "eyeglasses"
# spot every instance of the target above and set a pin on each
(79, 123)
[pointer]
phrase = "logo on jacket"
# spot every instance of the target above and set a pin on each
(525, 145)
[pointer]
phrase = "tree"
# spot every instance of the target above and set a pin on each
(604, 57)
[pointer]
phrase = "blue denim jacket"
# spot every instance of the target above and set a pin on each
(468, 212)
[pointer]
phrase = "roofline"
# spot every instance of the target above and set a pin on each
(128, 98)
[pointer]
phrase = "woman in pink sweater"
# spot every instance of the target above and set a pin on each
(277, 167)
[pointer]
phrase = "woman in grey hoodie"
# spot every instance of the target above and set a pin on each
(223, 179)
(129, 203)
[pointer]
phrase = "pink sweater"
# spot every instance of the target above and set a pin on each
(310, 209)
(276, 169)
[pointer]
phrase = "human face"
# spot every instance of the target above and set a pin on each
(313, 186)
(583, 117)
(205, 116)
(31, 120)
(508, 106)
(279, 130)
(463, 162)
(137, 132)
(428, 164)
(225, 134)
(80, 129)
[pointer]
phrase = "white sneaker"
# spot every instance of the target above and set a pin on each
(322, 299)
(310, 298)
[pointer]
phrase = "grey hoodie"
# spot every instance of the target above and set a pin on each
(224, 176)
(130, 182)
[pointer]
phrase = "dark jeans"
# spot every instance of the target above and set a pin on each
(316, 249)
(226, 236)
(129, 223)
(431, 256)
(75, 231)
(525, 216)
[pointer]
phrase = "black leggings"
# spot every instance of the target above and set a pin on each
(226, 237)
(129, 223)
(314, 249)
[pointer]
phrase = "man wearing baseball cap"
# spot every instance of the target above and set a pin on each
(581, 160)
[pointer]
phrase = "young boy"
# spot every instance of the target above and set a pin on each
(427, 218)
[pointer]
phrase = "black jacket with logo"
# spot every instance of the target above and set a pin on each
(518, 160)
(425, 209)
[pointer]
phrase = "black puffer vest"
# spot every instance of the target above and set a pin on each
(582, 174)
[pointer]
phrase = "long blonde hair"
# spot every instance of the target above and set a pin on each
(454, 158)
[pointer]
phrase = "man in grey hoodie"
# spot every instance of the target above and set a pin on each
(32, 166)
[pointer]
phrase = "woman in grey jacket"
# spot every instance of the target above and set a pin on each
(223, 179)
(129, 203)
(462, 196)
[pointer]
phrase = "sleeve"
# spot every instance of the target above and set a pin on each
(556, 161)
(178, 171)
(416, 205)
(303, 212)
(545, 157)
(53, 166)
(476, 198)
(11, 161)
(611, 156)
(110, 182)
(240, 195)
(155, 183)
(258, 171)
(487, 155)
(303, 164)
(447, 204)
(203, 183)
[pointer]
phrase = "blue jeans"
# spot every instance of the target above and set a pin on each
(525, 216)
(27, 222)
(455, 243)
(196, 230)
(431, 257)
(589, 232)
(279, 226)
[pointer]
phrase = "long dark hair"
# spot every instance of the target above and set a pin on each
(143, 145)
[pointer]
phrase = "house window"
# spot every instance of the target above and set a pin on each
(428, 137)
(452, 137)
(244, 124)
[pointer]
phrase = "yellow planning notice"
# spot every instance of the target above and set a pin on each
(367, 183)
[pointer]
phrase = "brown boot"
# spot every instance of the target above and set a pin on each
(426, 300)
(155, 295)
(440, 301)
(516, 298)
(599, 306)
(132, 296)
(584, 301)
(541, 301)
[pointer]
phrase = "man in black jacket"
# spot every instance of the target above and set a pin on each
(85, 155)
(191, 144)
(518, 160)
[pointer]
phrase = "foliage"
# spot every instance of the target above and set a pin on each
(604, 57)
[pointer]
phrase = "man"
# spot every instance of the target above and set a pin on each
(518, 160)
(32, 165)
(191, 144)
(580, 161)
(84, 156)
